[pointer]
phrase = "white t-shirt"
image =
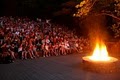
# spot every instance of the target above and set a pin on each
(19, 49)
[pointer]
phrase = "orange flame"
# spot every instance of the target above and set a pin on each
(100, 52)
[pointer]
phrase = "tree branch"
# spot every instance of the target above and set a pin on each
(118, 18)
(93, 4)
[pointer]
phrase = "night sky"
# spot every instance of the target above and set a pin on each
(30, 7)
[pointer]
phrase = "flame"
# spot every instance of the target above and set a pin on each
(100, 52)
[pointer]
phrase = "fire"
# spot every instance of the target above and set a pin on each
(100, 52)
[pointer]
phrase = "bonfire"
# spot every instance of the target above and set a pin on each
(100, 54)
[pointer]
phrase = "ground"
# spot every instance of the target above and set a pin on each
(53, 68)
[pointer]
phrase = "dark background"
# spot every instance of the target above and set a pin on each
(59, 11)
(36, 8)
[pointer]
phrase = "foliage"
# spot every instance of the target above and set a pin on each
(86, 7)
(67, 8)
(116, 29)
(101, 7)
(83, 8)
(116, 26)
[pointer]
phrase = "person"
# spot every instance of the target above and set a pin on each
(46, 50)
(11, 52)
(24, 50)
(6, 56)
(62, 49)
(35, 51)
(20, 49)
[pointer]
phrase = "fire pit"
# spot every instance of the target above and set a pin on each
(100, 61)
(90, 60)
(100, 55)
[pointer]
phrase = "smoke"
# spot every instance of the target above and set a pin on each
(96, 28)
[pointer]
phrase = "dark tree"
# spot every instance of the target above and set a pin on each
(101, 7)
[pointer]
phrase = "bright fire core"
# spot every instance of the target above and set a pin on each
(100, 53)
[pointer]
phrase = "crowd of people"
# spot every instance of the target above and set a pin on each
(26, 38)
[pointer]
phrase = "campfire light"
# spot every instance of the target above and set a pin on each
(100, 54)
